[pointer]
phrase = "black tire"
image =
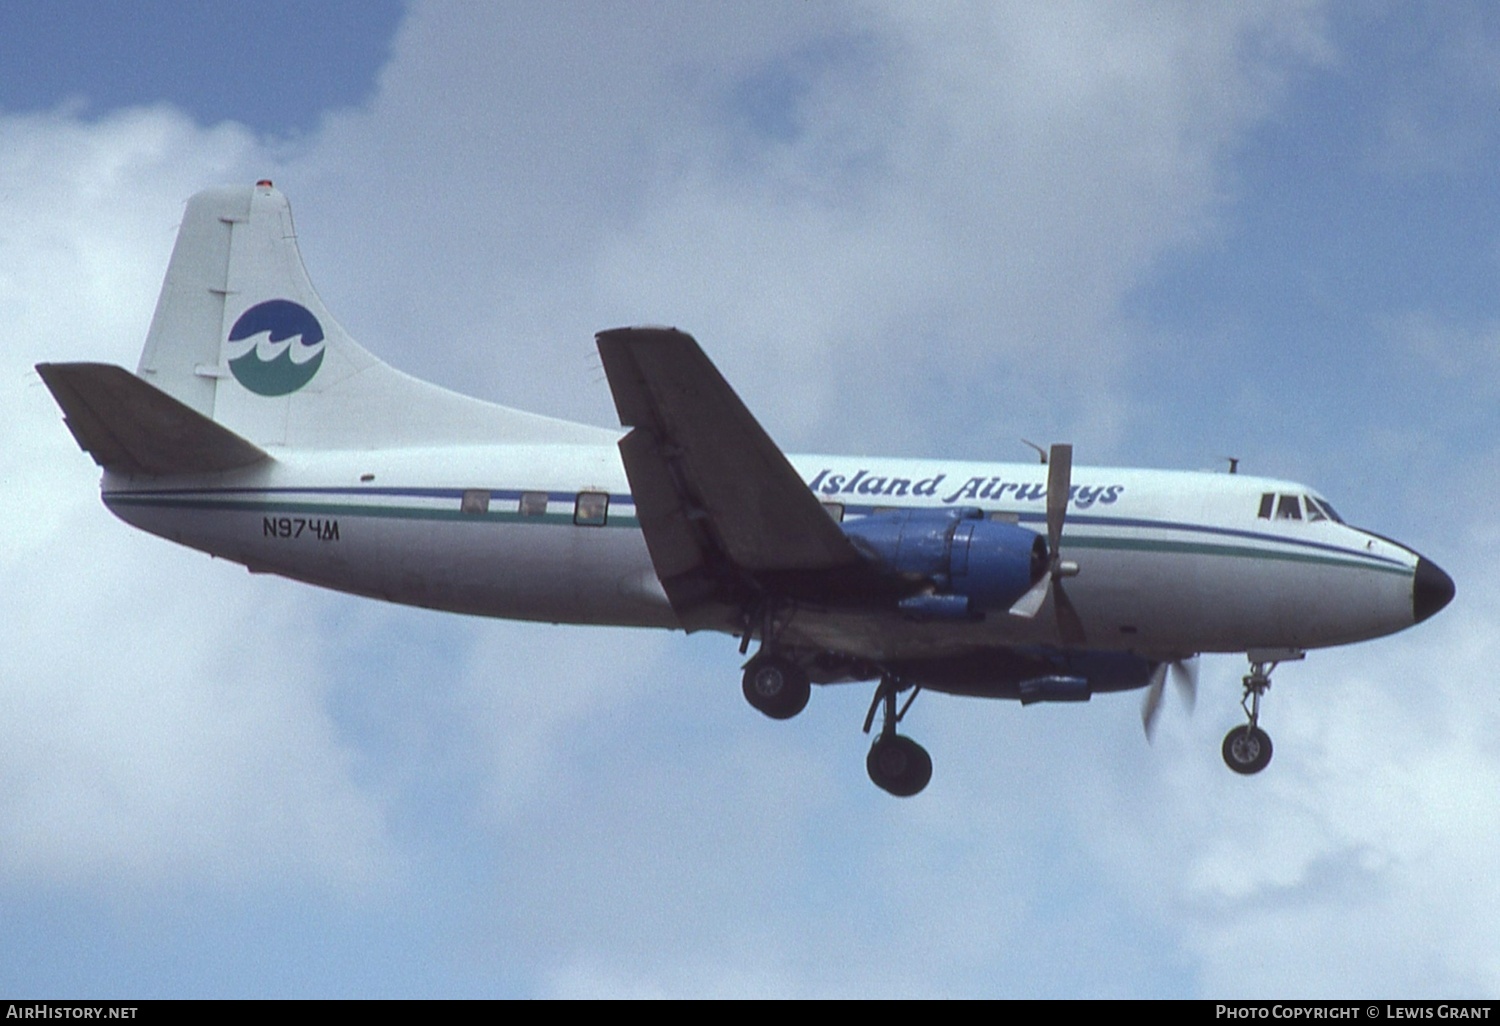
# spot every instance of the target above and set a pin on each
(777, 687)
(1247, 749)
(898, 765)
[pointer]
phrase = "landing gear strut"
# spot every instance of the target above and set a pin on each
(1247, 749)
(896, 764)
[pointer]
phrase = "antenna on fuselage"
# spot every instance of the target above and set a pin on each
(1039, 450)
(1234, 463)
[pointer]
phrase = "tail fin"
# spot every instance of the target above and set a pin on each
(241, 337)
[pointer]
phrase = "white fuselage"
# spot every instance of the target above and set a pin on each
(1169, 561)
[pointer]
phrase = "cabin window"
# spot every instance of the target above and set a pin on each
(1266, 502)
(835, 510)
(1005, 518)
(591, 509)
(476, 501)
(1288, 508)
(533, 504)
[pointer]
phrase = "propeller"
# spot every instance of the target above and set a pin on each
(1184, 674)
(1059, 488)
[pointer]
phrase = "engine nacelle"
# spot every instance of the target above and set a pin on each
(969, 565)
(1054, 688)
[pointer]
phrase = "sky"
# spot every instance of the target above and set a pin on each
(1168, 233)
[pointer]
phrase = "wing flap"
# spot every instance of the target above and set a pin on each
(707, 479)
(130, 426)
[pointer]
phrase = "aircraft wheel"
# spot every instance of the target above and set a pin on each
(899, 765)
(777, 687)
(1247, 749)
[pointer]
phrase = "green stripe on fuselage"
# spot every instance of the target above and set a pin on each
(343, 509)
(1070, 541)
(1353, 559)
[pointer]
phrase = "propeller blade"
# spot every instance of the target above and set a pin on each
(1069, 623)
(1185, 676)
(1059, 490)
(1028, 604)
(1152, 703)
(1059, 484)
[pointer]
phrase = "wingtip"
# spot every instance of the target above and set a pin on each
(641, 331)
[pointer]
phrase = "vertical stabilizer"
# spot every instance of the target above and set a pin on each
(240, 336)
(182, 347)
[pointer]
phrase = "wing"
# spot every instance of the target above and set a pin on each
(724, 513)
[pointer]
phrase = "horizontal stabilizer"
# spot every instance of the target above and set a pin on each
(132, 427)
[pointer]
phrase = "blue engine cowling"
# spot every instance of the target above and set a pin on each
(961, 565)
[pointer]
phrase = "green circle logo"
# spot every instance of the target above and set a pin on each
(280, 347)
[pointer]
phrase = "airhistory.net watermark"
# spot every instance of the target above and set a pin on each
(47, 1010)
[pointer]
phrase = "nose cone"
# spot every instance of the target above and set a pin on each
(1431, 590)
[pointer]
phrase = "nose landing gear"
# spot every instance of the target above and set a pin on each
(1247, 749)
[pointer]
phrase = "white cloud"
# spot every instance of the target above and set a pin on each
(1373, 848)
(162, 717)
(966, 193)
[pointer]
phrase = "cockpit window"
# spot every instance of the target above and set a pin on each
(1289, 507)
(1322, 504)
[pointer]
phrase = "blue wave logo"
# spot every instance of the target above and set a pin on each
(287, 357)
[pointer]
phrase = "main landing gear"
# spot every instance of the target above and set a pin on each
(773, 684)
(896, 763)
(1247, 749)
(776, 686)
(779, 687)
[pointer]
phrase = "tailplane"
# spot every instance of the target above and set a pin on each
(240, 337)
(129, 427)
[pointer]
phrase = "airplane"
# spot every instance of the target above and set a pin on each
(255, 429)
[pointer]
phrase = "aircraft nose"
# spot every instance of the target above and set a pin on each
(1431, 590)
